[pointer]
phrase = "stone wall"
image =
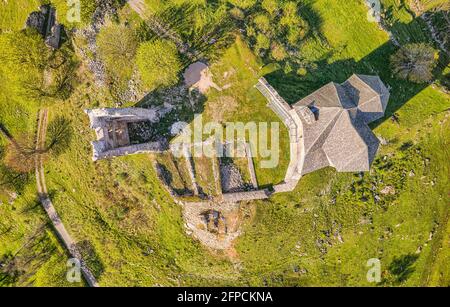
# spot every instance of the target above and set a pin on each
(99, 119)
(246, 196)
(153, 147)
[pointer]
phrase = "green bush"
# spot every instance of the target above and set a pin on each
(271, 6)
(158, 63)
(88, 8)
(117, 46)
(243, 4)
(274, 30)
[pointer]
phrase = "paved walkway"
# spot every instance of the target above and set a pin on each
(48, 205)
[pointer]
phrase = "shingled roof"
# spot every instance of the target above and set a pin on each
(339, 136)
(331, 125)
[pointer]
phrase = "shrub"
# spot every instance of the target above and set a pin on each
(262, 42)
(237, 13)
(278, 52)
(271, 6)
(158, 63)
(117, 48)
(262, 22)
(88, 8)
(243, 4)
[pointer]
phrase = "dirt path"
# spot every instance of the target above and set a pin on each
(48, 205)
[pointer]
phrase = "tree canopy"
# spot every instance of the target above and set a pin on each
(23, 56)
(159, 63)
(117, 46)
(414, 62)
(31, 68)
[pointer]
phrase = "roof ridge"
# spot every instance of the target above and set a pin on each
(334, 124)
(373, 90)
(331, 122)
(357, 119)
(348, 96)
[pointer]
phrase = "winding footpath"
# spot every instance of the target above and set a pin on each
(48, 205)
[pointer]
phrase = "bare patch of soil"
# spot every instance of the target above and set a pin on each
(217, 109)
(198, 75)
(215, 225)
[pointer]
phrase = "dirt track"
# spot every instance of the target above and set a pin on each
(48, 205)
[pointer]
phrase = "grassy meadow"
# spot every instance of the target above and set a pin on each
(322, 234)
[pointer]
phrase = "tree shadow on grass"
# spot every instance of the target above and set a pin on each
(207, 42)
(91, 258)
(10, 179)
(400, 269)
(293, 87)
(315, 22)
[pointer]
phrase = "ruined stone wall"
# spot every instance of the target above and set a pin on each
(246, 196)
(153, 147)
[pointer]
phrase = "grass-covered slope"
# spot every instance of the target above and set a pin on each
(132, 234)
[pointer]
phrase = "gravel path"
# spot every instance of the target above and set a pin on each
(48, 205)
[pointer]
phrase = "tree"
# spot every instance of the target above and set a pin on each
(158, 63)
(262, 22)
(11, 180)
(262, 42)
(290, 16)
(414, 62)
(243, 4)
(24, 57)
(32, 69)
(117, 46)
(278, 52)
(271, 6)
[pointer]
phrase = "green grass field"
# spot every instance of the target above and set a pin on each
(323, 233)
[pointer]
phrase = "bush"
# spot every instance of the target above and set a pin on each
(158, 63)
(278, 52)
(243, 4)
(414, 62)
(262, 22)
(117, 48)
(271, 6)
(262, 42)
(88, 8)
(275, 29)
